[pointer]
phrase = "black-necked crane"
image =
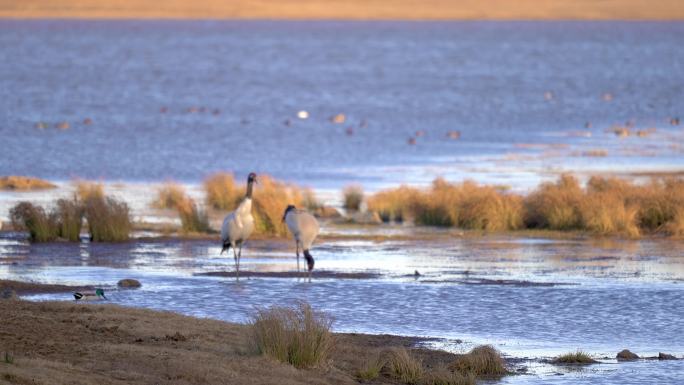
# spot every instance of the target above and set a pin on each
(304, 229)
(238, 225)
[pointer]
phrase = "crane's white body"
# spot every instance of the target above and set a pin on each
(238, 225)
(304, 228)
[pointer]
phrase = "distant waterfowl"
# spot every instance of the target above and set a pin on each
(548, 95)
(41, 125)
(96, 295)
(339, 118)
(303, 114)
(304, 229)
(62, 126)
(87, 121)
(607, 97)
(411, 141)
(163, 110)
(674, 121)
(587, 125)
(349, 131)
(238, 225)
(420, 133)
(216, 111)
(454, 134)
(287, 122)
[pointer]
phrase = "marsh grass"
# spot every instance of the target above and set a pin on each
(8, 358)
(352, 198)
(221, 191)
(86, 190)
(269, 200)
(108, 218)
(169, 196)
(481, 361)
(69, 218)
(372, 368)
(42, 227)
(578, 357)
(295, 335)
(441, 375)
(606, 206)
(403, 366)
(193, 219)
(24, 183)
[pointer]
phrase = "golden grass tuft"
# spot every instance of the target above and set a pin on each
(441, 375)
(24, 183)
(402, 366)
(169, 196)
(395, 204)
(578, 357)
(352, 198)
(481, 361)
(69, 217)
(555, 206)
(372, 368)
(41, 226)
(193, 219)
(221, 191)
(295, 335)
(86, 190)
(108, 218)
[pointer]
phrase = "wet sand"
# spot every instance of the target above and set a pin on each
(79, 343)
(349, 9)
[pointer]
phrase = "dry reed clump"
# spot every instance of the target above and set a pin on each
(395, 204)
(443, 376)
(69, 218)
(485, 208)
(221, 191)
(86, 190)
(481, 361)
(24, 183)
(555, 206)
(578, 357)
(193, 219)
(403, 366)
(372, 368)
(296, 335)
(352, 198)
(169, 196)
(42, 227)
(108, 218)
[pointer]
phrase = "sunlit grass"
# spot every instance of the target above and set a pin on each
(169, 196)
(41, 226)
(352, 197)
(108, 218)
(578, 357)
(481, 361)
(403, 366)
(23, 183)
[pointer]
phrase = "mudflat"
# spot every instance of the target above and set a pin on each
(347, 9)
(76, 343)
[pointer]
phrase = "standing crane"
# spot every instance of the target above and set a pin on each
(238, 225)
(304, 229)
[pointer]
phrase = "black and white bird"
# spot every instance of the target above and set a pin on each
(304, 229)
(238, 225)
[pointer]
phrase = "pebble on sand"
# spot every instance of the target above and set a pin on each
(129, 283)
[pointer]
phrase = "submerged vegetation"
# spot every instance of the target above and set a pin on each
(296, 335)
(606, 206)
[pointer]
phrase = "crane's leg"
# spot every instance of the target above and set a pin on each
(239, 255)
(297, 247)
(237, 264)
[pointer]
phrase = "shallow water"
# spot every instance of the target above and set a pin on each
(531, 298)
(518, 92)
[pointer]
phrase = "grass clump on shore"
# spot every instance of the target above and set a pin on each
(269, 200)
(108, 218)
(443, 376)
(578, 357)
(193, 219)
(169, 196)
(481, 361)
(42, 227)
(352, 198)
(403, 366)
(606, 206)
(372, 368)
(24, 183)
(86, 190)
(69, 216)
(295, 335)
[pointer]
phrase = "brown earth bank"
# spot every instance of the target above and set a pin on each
(27, 288)
(346, 9)
(75, 343)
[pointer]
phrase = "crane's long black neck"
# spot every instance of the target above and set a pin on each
(249, 189)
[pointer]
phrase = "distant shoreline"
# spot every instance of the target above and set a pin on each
(370, 10)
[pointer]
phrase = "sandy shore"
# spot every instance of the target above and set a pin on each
(346, 9)
(78, 343)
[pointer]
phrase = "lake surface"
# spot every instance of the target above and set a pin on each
(520, 94)
(531, 298)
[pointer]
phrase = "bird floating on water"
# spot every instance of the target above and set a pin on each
(97, 295)
(238, 225)
(304, 228)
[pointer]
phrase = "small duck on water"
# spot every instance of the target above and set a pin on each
(90, 296)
